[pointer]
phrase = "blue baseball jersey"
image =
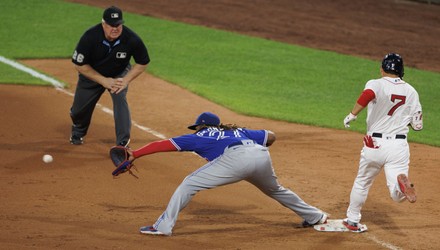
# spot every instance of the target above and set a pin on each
(211, 142)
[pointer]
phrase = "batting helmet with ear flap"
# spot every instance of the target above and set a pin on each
(393, 63)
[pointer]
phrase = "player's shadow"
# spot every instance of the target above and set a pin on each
(378, 213)
(218, 219)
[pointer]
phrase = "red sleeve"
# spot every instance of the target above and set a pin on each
(154, 147)
(366, 96)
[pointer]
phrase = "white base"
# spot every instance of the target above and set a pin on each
(337, 226)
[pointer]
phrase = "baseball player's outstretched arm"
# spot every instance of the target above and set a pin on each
(153, 147)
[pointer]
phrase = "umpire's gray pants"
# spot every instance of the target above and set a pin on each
(249, 163)
(87, 95)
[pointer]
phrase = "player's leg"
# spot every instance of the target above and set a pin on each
(265, 179)
(370, 164)
(122, 117)
(121, 113)
(86, 96)
(224, 170)
(399, 165)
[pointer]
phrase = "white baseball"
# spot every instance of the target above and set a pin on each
(47, 158)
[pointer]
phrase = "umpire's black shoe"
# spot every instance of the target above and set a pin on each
(76, 140)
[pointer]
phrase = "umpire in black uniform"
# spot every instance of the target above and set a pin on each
(102, 58)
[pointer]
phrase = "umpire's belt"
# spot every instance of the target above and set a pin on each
(242, 142)
(379, 135)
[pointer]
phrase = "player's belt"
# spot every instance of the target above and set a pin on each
(242, 142)
(379, 135)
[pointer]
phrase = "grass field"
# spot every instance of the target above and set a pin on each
(249, 75)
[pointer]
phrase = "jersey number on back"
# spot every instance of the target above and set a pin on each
(400, 99)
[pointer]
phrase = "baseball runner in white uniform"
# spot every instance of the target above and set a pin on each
(393, 107)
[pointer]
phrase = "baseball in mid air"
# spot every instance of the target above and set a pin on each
(47, 158)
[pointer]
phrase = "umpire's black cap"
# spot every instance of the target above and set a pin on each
(113, 16)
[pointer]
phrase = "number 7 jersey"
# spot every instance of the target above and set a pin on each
(395, 104)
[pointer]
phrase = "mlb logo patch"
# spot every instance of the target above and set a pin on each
(115, 15)
(121, 55)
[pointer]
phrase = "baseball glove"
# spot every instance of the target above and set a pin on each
(120, 158)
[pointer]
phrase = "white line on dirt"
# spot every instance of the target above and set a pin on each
(60, 87)
(381, 243)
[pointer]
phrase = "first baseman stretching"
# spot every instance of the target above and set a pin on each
(233, 154)
(393, 107)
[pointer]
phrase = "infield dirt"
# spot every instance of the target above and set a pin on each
(74, 203)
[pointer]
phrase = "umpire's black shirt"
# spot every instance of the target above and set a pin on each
(109, 58)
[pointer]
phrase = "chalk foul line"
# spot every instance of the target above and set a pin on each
(60, 87)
